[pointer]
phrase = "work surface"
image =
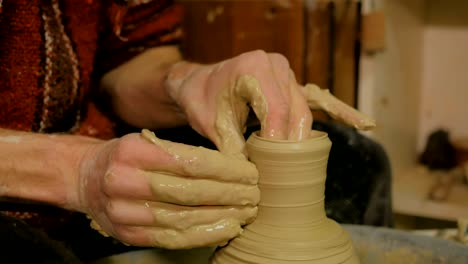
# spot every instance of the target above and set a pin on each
(411, 191)
(374, 245)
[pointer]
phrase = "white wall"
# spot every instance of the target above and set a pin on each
(390, 81)
(444, 98)
(420, 82)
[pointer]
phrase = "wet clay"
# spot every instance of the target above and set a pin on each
(194, 202)
(195, 192)
(204, 204)
(205, 163)
(233, 110)
(291, 226)
(184, 217)
(322, 99)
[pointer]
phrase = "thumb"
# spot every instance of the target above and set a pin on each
(232, 114)
(322, 99)
(229, 133)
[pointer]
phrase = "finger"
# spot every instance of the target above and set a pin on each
(319, 99)
(262, 91)
(170, 188)
(256, 85)
(300, 117)
(184, 217)
(127, 182)
(147, 213)
(272, 113)
(196, 162)
(281, 68)
(188, 191)
(217, 233)
(230, 121)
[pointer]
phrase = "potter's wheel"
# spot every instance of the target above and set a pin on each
(374, 245)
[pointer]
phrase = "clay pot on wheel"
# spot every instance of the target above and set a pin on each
(291, 226)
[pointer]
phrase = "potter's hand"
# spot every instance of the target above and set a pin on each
(150, 192)
(216, 98)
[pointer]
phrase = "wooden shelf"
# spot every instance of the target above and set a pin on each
(411, 196)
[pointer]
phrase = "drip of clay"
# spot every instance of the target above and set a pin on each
(291, 226)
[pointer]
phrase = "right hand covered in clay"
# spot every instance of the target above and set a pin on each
(215, 100)
(146, 191)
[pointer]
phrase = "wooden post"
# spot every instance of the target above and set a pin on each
(346, 54)
(319, 52)
(318, 37)
(217, 30)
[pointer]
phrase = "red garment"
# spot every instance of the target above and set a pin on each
(48, 57)
(51, 55)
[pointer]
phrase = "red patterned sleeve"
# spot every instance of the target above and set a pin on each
(127, 28)
(134, 26)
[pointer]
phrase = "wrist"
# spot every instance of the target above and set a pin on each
(137, 90)
(42, 168)
(177, 75)
(74, 151)
(82, 152)
(183, 79)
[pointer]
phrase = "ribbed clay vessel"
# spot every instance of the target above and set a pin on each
(291, 226)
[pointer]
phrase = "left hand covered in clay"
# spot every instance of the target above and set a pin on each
(146, 191)
(216, 98)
